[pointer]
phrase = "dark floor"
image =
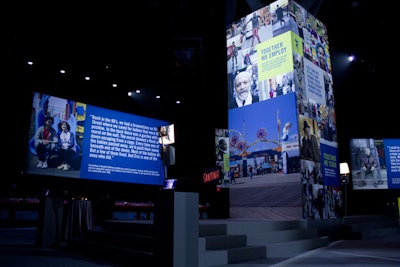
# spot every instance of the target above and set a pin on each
(17, 249)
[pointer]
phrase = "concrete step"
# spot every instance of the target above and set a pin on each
(250, 253)
(351, 219)
(365, 226)
(209, 258)
(216, 227)
(246, 241)
(369, 226)
(294, 247)
(373, 233)
(271, 237)
(247, 253)
(256, 227)
(222, 242)
(212, 229)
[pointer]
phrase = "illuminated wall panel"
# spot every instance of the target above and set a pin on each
(279, 85)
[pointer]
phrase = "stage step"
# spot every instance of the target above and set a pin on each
(362, 227)
(245, 241)
(225, 242)
(220, 241)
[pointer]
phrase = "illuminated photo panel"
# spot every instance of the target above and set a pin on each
(94, 143)
(267, 127)
(375, 163)
(289, 60)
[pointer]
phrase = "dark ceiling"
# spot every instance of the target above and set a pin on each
(178, 49)
(147, 34)
(172, 45)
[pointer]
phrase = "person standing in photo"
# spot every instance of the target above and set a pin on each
(320, 203)
(247, 59)
(45, 142)
(235, 53)
(222, 149)
(272, 89)
(66, 142)
(165, 137)
(222, 154)
(310, 148)
(285, 131)
(255, 21)
(279, 15)
(300, 22)
(232, 176)
(310, 155)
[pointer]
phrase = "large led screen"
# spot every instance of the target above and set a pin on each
(84, 141)
(375, 163)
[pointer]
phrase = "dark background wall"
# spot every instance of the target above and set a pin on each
(179, 49)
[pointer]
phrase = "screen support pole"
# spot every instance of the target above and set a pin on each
(163, 158)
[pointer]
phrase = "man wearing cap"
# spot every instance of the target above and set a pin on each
(46, 140)
(368, 166)
(310, 148)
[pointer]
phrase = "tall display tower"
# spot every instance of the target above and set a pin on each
(281, 107)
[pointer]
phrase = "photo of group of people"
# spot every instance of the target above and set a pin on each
(53, 143)
(72, 139)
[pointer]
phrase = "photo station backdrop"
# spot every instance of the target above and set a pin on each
(285, 51)
(107, 145)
